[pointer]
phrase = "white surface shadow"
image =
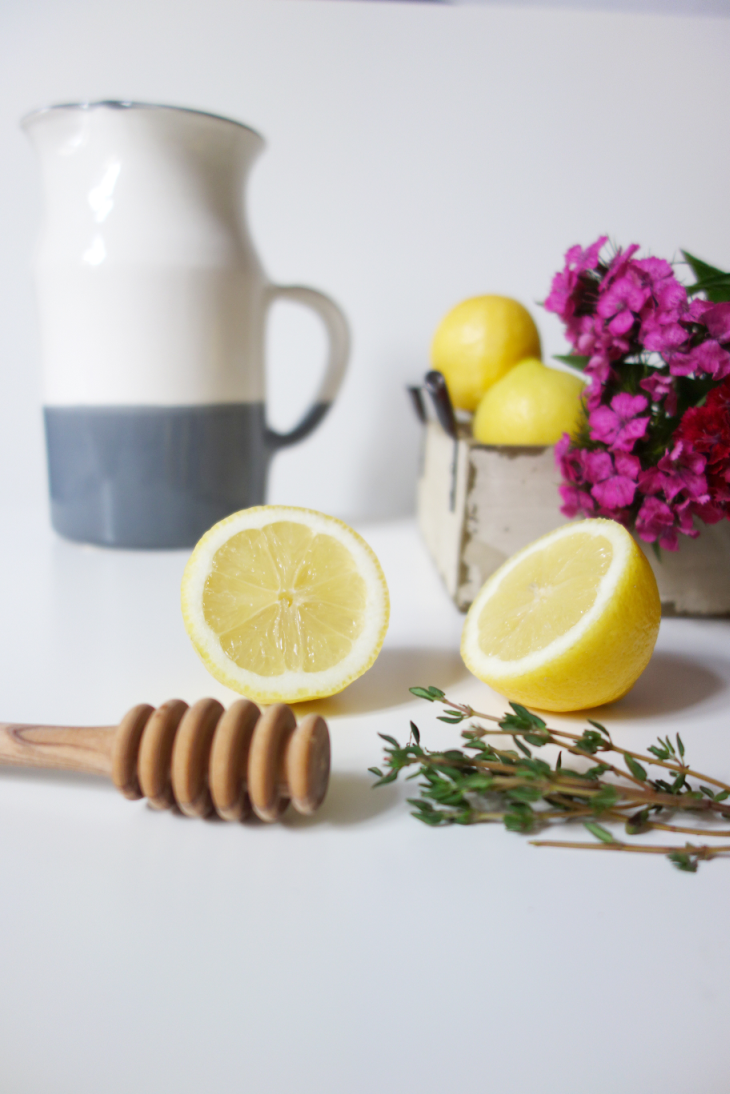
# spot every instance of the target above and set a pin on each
(350, 799)
(670, 683)
(386, 684)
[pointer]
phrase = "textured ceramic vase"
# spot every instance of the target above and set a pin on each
(152, 305)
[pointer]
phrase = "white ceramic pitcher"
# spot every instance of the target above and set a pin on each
(152, 307)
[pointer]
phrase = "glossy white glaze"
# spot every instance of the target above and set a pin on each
(150, 291)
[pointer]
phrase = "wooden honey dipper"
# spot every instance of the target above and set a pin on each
(203, 759)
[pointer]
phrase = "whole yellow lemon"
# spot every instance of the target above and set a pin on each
(532, 404)
(478, 342)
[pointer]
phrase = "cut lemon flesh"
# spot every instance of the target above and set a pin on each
(285, 604)
(567, 623)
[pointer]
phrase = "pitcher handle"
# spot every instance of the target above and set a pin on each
(339, 348)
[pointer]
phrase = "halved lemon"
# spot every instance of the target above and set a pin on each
(567, 623)
(285, 604)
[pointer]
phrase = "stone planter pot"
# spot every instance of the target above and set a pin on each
(478, 504)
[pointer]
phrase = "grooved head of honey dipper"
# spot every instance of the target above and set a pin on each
(229, 760)
(190, 754)
(266, 761)
(125, 749)
(307, 764)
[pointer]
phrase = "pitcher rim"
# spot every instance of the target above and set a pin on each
(133, 104)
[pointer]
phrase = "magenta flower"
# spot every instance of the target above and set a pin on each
(622, 301)
(696, 310)
(614, 480)
(562, 298)
(621, 314)
(619, 264)
(619, 426)
(660, 332)
(570, 461)
(616, 492)
(576, 502)
(708, 358)
(717, 321)
(655, 521)
(668, 293)
(660, 386)
(677, 471)
(598, 466)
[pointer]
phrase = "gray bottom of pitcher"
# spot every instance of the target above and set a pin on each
(153, 476)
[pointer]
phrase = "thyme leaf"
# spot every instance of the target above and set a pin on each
(483, 782)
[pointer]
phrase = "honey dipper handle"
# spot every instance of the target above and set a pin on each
(82, 748)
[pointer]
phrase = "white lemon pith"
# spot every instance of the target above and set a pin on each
(567, 623)
(285, 604)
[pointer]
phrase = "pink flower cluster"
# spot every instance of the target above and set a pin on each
(652, 356)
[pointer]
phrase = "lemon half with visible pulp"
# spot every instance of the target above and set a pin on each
(285, 604)
(567, 623)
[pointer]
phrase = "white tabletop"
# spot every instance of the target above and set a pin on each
(356, 951)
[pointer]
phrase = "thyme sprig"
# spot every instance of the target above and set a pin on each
(483, 782)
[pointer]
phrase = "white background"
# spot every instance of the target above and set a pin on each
(417, 154)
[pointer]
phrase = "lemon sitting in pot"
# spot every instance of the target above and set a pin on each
(531, 405)
(478, 342)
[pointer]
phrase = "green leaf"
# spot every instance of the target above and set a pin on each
(683, 861)
(522, 748)
(713, 282)
(478, 783)
(576, 360)
(636, 823)
(701, 269)
(600, 728)
(434, 819)
(533, 766)
(722, 795)
(606, 798)
(423, 693)
(680, 746)
(529, 717)
(389, 778)
(590, 741)
(391, 740)
(537, 739)
(708, 793)
(415, 733)
(522, 720)
(436, 692)
(519, 821)
(376, 771)
(660, 753)
(635, 767)
(597, 771)
(716, 289)
(524, 794)
(454, 721)
(599, 832)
